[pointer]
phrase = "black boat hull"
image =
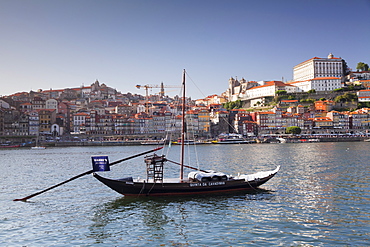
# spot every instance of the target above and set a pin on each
(130, 188)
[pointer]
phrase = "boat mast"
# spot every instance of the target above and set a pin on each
(183, 129)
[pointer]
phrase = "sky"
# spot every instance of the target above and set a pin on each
(51, 44)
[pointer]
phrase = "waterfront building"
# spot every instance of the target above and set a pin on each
(249, 128)
(34, 123)
(105, 124)
(323, 123)
(192, 123)
(47, 117)
(8, 118)
(340, 120)
(21, 125)
(240, 122)
(219, 122)
(122, 125)
(320, 67)
(204, 122)
(360, 120)
(79, 122)
(159, 122)
(170, 122)
(270, 122)
(266, 121)
(143, 123)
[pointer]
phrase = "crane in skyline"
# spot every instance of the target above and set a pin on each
(161, 93)
(162, 87)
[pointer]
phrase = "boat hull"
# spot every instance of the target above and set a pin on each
(129, 188)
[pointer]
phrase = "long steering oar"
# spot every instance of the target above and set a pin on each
(83, 174)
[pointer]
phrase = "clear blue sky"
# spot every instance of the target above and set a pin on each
(67, 43)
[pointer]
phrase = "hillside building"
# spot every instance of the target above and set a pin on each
(320, 67)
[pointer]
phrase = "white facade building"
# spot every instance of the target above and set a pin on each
(51, 104)
(321, 84)
(268, 89)
(319, 67)
(363, 96)
(79, 121)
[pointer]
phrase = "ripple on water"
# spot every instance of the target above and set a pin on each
(319, 198)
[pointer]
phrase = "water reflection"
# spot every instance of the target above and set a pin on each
(163, 217)
(320, 197)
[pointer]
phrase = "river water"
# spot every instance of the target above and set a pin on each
(320, 197)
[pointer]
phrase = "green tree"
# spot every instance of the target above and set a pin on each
(309, 100)
(233, 105)
(347, 97)
(362, 66)
(311, 91)
(280, 92)
(293, 130)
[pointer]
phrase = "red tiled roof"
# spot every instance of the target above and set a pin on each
(324, 78)
(266, 112)
(317, 58)
(81, 114)
(293, 100)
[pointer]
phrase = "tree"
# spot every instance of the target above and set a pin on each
(233, 105)
(293, 130)
(311, 91)
(280, 92)
(362, 66)
(347, 97)
(309, 100)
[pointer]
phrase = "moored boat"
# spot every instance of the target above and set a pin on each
(231, 138)
(9, 146)
(153, 142)
(38, 148)
(197, 182)
(201, 183)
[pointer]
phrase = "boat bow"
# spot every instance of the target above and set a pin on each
(259, 175)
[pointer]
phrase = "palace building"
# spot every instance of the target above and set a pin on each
(319, 67)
